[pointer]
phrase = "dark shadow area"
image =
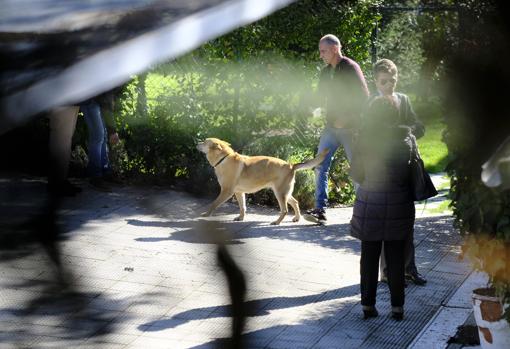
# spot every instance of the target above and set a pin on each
(25, 208)
(340, 326)
(259, 307)
(187, 231)
(31, 234)
(66, 314)
(467, 335)
(335, 236)
(308, 332)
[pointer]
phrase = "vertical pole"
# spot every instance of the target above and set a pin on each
(237, 88)
(373, 43)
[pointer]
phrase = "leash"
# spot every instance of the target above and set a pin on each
(221, 160)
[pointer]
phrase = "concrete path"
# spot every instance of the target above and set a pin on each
(144, 275)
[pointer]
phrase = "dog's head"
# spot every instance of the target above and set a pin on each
(214, 147)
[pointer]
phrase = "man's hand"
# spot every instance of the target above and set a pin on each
(114, 138)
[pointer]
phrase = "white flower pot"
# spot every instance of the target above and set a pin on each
(493, 330)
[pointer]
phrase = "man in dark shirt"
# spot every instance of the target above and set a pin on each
(343, 91)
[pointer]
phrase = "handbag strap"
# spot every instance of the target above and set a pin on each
(414, 148)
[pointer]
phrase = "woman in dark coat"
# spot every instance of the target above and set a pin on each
(384, 207)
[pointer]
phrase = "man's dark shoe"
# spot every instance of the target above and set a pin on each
(416, 278)
(317, 215)
(100, 184)
(63, 188)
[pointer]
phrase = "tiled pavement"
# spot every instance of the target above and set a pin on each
(144, 275)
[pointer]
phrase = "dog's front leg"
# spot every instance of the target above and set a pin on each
(242, 206)
(225, 194)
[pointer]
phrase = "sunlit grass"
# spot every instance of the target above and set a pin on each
(443, 207)
(432, 149)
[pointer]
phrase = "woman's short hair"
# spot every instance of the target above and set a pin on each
(385, 66)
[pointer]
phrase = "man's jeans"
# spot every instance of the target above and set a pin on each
(331, 138)
(97, 140)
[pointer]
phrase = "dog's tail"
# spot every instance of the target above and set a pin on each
(311, 163)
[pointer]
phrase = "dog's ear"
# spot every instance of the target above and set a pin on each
(223, 145)
(216, 146)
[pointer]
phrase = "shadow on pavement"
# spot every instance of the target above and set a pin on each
(333, 236)
(37, 283)
(259, 307)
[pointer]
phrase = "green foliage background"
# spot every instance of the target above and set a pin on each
(253, 88)
(477, 123)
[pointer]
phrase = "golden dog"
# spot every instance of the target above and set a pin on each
(239, 174)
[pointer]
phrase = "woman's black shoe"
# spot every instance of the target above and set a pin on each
(369, 313)
(397, 313)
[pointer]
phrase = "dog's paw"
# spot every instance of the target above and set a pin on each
(275, 223)
(238, 219)
(205, 214)
(296, 219)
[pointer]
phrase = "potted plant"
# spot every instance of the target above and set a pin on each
(482, 215)
(491, 304)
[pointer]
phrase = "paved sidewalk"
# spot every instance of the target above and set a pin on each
(145, 276)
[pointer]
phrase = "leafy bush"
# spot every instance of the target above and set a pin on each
(477, 123)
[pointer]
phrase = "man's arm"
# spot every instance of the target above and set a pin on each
(358, 91)
(361, 82)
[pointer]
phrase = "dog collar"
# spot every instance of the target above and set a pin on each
(219, 162)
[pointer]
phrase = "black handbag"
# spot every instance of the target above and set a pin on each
(422, 186)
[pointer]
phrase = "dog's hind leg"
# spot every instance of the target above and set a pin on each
(295, 206)
(242, 206)
(225, 194)
(282, 201)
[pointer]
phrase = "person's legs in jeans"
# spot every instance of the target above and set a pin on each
(369, 271)
(345, 137)
(96, 138)
(330, 141)
(394, 252)
(105, 161)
